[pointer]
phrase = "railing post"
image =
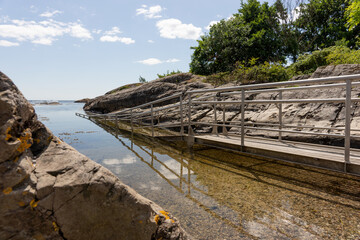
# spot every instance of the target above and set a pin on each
(152, 120)
(190, 131)
(224, 120)
(242, 117)
(181, 116)
(280, 115)
(347, 123)
(215, 127)
(131, 121)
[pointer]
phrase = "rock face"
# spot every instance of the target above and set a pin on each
(146, 92)
(51, 191)
(297, 114)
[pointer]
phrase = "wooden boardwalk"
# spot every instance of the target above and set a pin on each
(323, 156)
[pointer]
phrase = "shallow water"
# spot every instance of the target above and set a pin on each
(219, 194)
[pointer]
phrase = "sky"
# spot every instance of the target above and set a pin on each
(68, 50)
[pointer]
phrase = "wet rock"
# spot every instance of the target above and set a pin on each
(51, 191)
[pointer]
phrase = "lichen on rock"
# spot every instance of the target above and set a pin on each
(51, 191)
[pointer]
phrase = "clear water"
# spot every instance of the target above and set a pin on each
(218, 194)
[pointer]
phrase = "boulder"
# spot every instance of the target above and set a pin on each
(147, 92)
(51, 191)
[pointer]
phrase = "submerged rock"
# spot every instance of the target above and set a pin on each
(51, 191)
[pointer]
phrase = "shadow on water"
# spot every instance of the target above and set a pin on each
(250, 198)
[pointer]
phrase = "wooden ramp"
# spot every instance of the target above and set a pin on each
(328, 157)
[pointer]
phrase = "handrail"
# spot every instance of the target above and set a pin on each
(280, 84)
(214, 100)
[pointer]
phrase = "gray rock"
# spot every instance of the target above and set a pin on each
(51, 191)
(336, 70)
(147, 92)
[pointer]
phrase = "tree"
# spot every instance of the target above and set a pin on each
(353, 14)
(219, 50)
(254, 32)
(322, 23)
(142, 80)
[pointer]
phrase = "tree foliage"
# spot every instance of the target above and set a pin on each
(254, 32)
(353, 14)
(322, 23)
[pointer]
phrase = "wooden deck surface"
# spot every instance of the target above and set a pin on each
(323, 156)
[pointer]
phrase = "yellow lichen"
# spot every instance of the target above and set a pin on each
(33, 204)
(7, 190)
(140, 221)
(25, 142)
(16, 159)
(165, 214)
(8, 136)
(56, 228)
(37, 140)
(157, 218)
(21, 203)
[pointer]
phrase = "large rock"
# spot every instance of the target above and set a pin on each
(147, 92)
(51, 191)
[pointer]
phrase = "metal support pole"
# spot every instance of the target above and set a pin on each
(215, 127)
(242, 117)
(224, 121)
(280, 115)
(347, 122)
(152, 120)
(190, 131)
(131, 121)
(181, 116)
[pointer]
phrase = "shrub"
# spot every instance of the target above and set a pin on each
(308, 63)
(262, 73)
(168, 73)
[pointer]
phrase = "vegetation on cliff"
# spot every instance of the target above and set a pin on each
(254, 44)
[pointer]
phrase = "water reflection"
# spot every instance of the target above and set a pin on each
(247, 198)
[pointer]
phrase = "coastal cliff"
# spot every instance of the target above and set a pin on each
(51, 191)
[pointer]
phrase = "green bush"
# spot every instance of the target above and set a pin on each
(168, 73)
(262, 73)
(308, 63)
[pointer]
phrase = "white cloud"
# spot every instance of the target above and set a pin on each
(108, 38)
(4, 43)
(113, 31)
(96, 31)
(150, 12)
(78, 31)
(173, 28)
(44, 41)
(172, 60)
(150, 61)
(49, 14)
(150, 41)
(44, 32)
(210, 24)
(155, 61)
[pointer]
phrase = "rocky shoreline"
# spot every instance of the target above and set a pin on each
(309, 114)
(51, 191)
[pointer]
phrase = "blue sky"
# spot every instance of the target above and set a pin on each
(59, 49)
